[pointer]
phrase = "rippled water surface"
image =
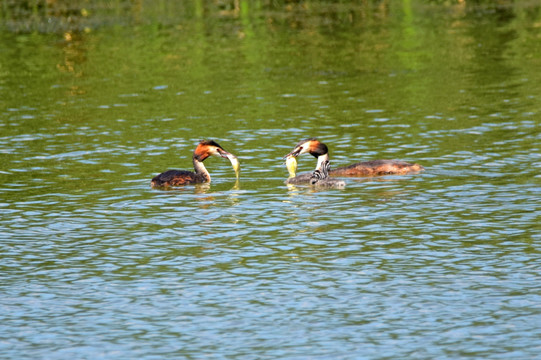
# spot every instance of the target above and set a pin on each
(444, 264)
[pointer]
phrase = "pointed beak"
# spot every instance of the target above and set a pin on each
(294, 153)
(223, 153)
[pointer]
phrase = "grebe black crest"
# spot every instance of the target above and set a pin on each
(366, 168)
(204, 149)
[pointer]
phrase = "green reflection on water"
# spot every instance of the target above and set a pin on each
(368, 77)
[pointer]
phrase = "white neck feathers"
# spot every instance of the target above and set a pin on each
(320, 160)
(200, 169)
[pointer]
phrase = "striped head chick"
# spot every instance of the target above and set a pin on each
(320, 177)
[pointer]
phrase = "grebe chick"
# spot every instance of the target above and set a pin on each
(366, 168)
(204, 149)
(319, 178)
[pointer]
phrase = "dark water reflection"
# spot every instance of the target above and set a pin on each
(443, 264)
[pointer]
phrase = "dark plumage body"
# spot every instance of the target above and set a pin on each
(365, 168)
(178, 178)
(300, 179)
(376, 168)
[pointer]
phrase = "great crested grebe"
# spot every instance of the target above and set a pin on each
(366, 168)
(319, 178)
(204, 149)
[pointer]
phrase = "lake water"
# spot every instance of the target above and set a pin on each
(444, 264)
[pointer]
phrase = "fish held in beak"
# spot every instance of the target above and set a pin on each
(232, 158)
(291, 164)
(235, 164)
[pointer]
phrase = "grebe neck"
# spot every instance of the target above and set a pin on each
(321, 159)
(200, 169)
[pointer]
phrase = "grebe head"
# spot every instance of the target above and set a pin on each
(312, 146)
(207, 148)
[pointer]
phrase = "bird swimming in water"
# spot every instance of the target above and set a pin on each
(319, 178)
(366, 168)
(204, 149)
